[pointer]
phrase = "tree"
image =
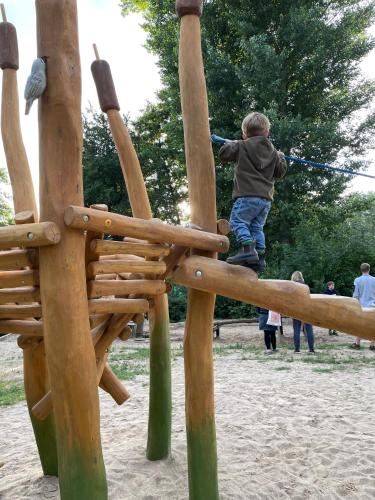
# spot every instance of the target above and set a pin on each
(299, 62)
(6, 215)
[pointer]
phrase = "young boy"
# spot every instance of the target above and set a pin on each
(364, 292)
(257, 165)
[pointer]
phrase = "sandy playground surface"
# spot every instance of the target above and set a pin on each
(287, 427)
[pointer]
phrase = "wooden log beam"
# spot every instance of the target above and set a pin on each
(65, 308)
(14, 279)
(287, 297)
(113, 386)
(124, 287)
(19, 295)
(29, 235)
(106, 306)
(124, 266)
(107, 247)
(12, 311)
(21, 327)
(176, 255)
(17, 259)
(93, 236)
(199, 383)
(109, 223)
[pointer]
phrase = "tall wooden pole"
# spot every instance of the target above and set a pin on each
(62, 268)
(160, 402)
(35, 370)
(200, 414)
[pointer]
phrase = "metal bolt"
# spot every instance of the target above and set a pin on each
(30, 236)
(85, 218)
(198, 274)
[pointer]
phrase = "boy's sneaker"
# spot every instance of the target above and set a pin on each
(275, 350)
(355, 346)
(297, 352)
(268, 351)
(245, 255)
(311, 351)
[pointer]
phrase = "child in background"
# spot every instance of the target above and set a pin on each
(269, 331)
(297, 324)
(330, 290)
(257, 165)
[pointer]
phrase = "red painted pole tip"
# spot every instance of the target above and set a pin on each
(189, 7)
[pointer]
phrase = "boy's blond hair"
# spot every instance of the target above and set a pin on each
(365, 268)
(297, 276)
(255, 124)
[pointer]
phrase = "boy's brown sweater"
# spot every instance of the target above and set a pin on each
(257, 165)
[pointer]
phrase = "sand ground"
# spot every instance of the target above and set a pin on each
(287, 427)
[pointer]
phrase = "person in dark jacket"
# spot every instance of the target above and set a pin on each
(330, 290)
(257, 165)
(297, 324)
(269, 331)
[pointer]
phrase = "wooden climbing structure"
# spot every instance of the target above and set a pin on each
(68, 293)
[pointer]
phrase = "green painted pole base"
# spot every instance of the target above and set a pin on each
(202, 462)
(45, 437)
(160, 405)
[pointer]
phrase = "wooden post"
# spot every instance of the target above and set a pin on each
(70, 353)
(160, 406)
(200, 414)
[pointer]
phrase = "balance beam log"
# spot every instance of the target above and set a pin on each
(106, 306)
(19, 327)
(124, 266)
(200, 414)
(29, 235)
(286, 297)
(109, 223)
(106, 247)
(12, 311)
(19, 295)
(113, 386)
(124, 287)
(17, 259)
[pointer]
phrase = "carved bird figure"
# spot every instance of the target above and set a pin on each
(36, 83)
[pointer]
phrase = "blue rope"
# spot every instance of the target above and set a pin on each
(324, 166)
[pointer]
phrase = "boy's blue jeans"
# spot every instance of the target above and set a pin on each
(297, 335)
(247, 219)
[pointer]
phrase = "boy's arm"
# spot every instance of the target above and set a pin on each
(229, 152)
(356, 290)
(281, 166)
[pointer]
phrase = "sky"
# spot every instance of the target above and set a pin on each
(121, 42)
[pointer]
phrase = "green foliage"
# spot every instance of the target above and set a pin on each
(6, 215)
(129, 6)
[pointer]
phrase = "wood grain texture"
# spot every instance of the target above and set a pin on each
(65, 308)
(124, 266)
(106, 247)
(29, 235)
(13, 279)
(124, 287)
(8, 47)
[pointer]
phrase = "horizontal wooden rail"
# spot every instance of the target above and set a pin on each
(19, 327)
(124, 266)
(14, 279)
(18, 259)
(125, 287)
(286, 297)
(104, 306)
(29, 235)
(19, 312)
(19, 295)
(107, 247)
(155, 231)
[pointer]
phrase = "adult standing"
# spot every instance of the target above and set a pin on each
(364, 292)
(297, 324)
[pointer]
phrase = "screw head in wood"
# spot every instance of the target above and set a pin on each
(86, 218)
(198, 274)
(30, 236)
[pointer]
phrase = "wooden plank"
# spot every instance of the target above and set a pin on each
(107, 247)
(29, 235)
(13, 279)
(12, 311)
(117, 287)
(22, 327)
(106, 306)
(68, 342)
(17, 259)
(124, 266)
(19, 295)
(109, 223)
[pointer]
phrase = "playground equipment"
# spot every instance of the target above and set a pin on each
(58, 276)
